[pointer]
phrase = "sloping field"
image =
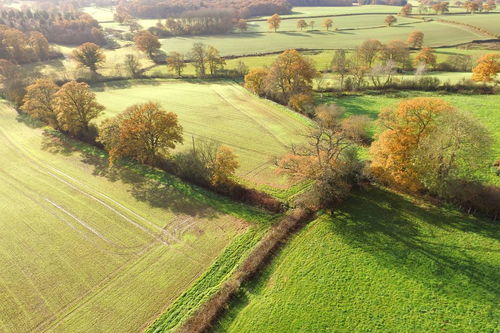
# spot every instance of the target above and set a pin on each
(436, 34)
(84, 249)
(382, 263)
(256, 129)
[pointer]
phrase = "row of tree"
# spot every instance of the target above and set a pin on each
(22, 48)
(172, 8)
(56, 25)
(442, 7)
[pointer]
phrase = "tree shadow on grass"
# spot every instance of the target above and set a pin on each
(428, 244)
(156, 193)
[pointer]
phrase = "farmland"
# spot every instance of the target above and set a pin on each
(256, 129)
(482, 107)
(436, 34)
(77, 240)
(381, 263)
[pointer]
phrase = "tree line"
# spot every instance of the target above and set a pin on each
(22, 48)
(65, 27)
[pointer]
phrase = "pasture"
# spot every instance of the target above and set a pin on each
(85, 248)
(487, 21)
(483, 107)
(238, 44)
(381, 263)
(256, 129)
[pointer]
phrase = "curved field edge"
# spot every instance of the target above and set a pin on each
(383, 262)
(208, 284)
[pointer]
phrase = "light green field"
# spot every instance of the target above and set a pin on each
(436, 34)
(382, 263)
(256, 129)
(101, 14)
(484, 107)
(84, 249)
(487, 21)
(340, 22)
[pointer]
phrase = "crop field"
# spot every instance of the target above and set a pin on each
(256, 129)
(436, 34)
(483, 107)
(84, 249)
(381, 263)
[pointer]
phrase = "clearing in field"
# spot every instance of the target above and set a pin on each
(83, 249)
(382, 263)
(256, 129)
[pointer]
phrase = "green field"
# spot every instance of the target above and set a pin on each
(340, 22)
(487, 21)
(256, 129)
(382, 263)
(483, 107)
(436, 34)
(85, 249)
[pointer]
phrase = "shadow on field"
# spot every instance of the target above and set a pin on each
(123, 84)
(165, 194)
(423, 242)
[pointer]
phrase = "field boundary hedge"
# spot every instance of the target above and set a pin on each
(470, 26)
(209, 312)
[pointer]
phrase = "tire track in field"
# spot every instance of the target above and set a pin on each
(259, 124)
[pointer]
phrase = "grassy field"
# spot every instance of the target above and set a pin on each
(85, 248)
(483, 107)
(256, 129)
(382, 263)
(436, 34)
(340, 22)
(487, 21)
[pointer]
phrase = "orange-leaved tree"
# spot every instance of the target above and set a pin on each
(255, 80)
(89, 55)
(406, 125)
(426, 56)
(290, 74)
(76, 106)
(416, 39)
(224, 166)
(147, 43)
(487, 68)
(39, 101)
(274, 22)
(144, 132)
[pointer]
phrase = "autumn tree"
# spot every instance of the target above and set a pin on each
(328, 24)
(198, 55)
(255, 80)
(301, 24)
(76, 106)
(368, 51)
(328, 158)
(214, 60)
(176, 62)
(390, 20)
(406, 10)
(39, 44)
(274, 22)
(301, 103)
(144, 132)
(132, 65)
(487, 68)
(416, 39)
(147, 43)
(396, 51)
(340, 65)
(89, 55)
(242, 25)
(426, 56)
(405, 126)
(290, 74)
(39, 101)
(13, 81)
(224, 167)
(455, 150)
(311, 24)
